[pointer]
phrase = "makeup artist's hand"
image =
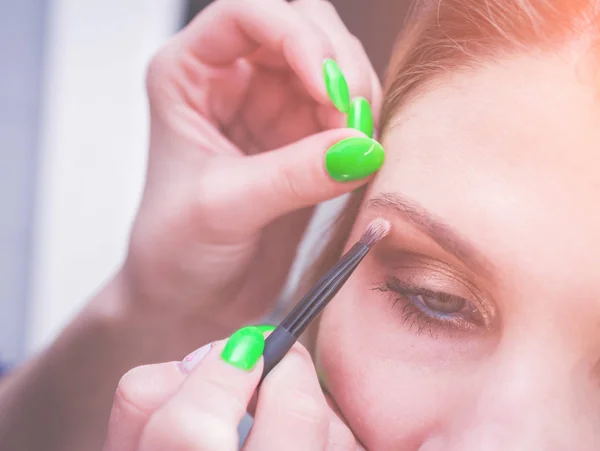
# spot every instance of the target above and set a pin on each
(241, 124)
(198, 403)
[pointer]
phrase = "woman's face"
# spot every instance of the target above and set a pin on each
(475, 325)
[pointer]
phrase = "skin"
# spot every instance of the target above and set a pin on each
(199, 406)
(240, 123)
(504, 160)
(511, 190)
(507, 157)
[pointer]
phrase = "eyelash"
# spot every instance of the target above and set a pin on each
(417, 317)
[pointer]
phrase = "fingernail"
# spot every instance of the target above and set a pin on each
(353, 159)
(194, 358)
(336, 85)
(244, 348)
(360, 116)
(264, 328)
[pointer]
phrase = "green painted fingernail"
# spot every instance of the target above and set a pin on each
(360, 116)
(353, 159)
(336, 85)
(264, 328)
(244, 348)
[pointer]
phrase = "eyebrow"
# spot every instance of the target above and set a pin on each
(440, 232)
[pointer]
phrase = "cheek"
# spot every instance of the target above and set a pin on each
(389, 403)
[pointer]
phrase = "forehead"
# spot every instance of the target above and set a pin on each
(545, 105)
(508, 154)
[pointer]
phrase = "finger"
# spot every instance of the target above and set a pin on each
(291, 412)
(350, 55)
(340, 437)
(309, 171)
(377, 100)
(348, 50)
(206, 410)
(228, 30)
(140, 392)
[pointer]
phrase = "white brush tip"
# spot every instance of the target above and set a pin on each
(376, 230)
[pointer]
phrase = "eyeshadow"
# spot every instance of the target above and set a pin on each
(432, 274)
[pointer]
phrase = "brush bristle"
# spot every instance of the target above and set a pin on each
(376, 230)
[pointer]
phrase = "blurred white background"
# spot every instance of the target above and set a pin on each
(92, 147)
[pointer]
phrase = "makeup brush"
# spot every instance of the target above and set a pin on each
(289, 330)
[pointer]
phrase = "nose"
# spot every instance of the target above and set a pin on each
(533, 402)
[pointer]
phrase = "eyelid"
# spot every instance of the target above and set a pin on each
(483, 309)
(417, 290)
(415, 316)
(400, 287)
(434, 275)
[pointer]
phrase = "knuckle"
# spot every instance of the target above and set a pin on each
(317, 38)
(289, 183)
(213, 193)
(133, 392)
(306, 408)
(327, 7)
(208, 202)
(230, 397)
(309, 31)
(157, 70)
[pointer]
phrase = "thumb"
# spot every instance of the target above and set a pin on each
(304, 173)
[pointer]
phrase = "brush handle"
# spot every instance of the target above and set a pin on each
(276, 347)
(313, 302)
(310, 306)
